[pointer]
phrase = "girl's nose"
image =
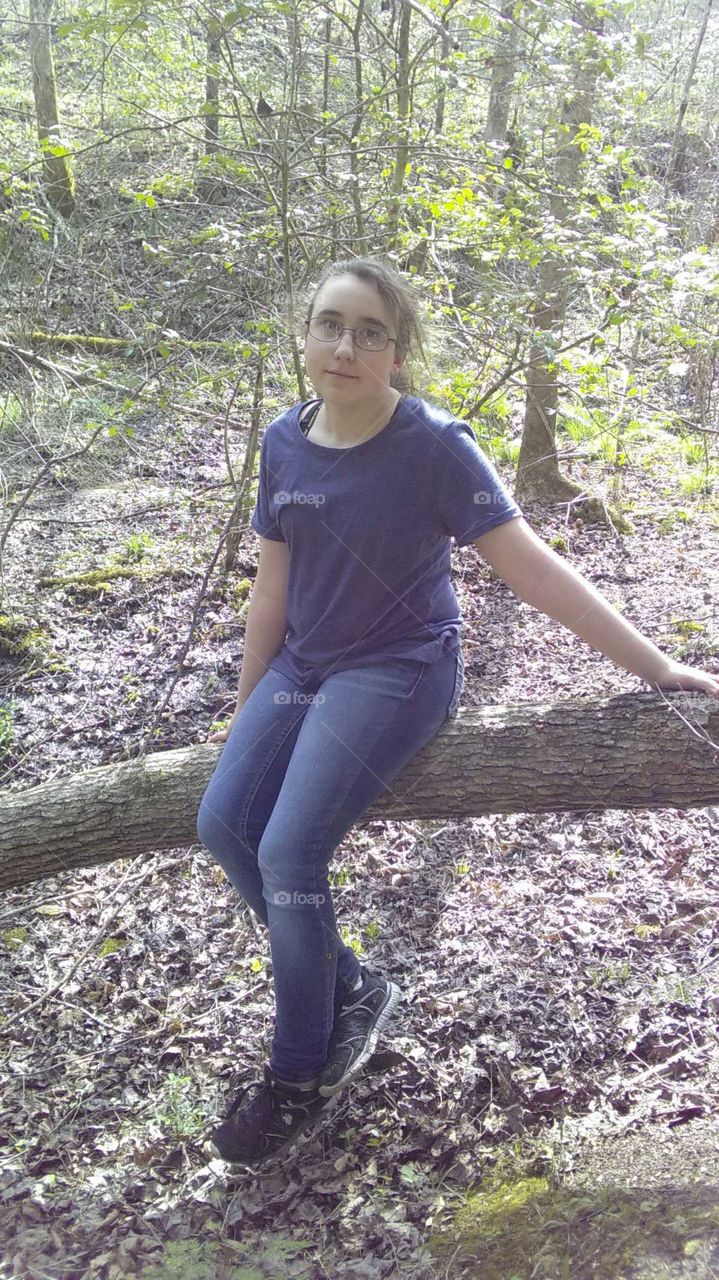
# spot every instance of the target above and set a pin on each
(345, 346)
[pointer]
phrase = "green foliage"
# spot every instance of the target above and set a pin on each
(177, 1110)
(609, 972)
(137, 546)
(11, 413)
(352, 940)
(272, 1258)
(185, 1260)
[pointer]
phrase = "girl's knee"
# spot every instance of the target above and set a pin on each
(286, 867)
(279, 865)
(215, 831)
(206, 826)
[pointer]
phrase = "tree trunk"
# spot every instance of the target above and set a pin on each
(634, 751)
(402, 124)
(671, 178)
(326, 69)
(445, 47)
(212, 86)
(538, 475)
(500, 94)
(356, 128)
(241, 511)
(57, 174)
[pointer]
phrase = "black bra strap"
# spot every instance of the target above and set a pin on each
(310, 417)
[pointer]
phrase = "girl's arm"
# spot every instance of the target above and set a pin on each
(265, 626)
(535, 573)
(266, 623)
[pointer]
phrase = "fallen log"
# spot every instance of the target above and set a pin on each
(633, 751)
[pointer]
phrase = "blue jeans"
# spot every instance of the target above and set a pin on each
(300, 767)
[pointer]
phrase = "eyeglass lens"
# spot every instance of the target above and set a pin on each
(369, 338)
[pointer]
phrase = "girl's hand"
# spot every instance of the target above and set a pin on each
(676, 676)
(223, 734)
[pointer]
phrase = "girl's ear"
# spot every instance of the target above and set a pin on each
(399, 361)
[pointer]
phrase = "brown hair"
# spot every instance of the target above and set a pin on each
(399, 297)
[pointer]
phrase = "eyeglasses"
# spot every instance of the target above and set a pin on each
(369, 337)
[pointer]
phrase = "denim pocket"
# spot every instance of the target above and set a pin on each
(393, 677)
(458, 686)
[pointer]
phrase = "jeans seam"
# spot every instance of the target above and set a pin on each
(374, 743)
(271, 755)
(458, 686)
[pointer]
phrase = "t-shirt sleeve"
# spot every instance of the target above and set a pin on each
(263, 520)
(472, 498)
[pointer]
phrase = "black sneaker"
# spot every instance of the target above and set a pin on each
(356, 1030)
(257, 1128)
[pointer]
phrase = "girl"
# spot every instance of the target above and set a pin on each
(352, 663)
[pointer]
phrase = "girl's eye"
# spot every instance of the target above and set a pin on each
(330, 328)
(371, 336)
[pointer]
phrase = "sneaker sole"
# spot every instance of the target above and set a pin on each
(384, 1016)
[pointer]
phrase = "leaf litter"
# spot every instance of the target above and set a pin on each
(560, 972)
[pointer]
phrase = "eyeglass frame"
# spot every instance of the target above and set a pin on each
(348, 329)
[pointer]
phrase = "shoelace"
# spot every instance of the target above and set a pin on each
(255, 1084)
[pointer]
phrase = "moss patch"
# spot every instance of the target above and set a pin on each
(528, 1229)
(20, 638)
(92, 580)
(95, 581)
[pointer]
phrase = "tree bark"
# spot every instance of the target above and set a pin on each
(57, 174)
(634, 751)
(212, 86)
(402, 124)
(671, 179)
(500, 94)
(538, 475)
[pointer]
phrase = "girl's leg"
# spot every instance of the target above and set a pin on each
(363, 727)
(243, 789)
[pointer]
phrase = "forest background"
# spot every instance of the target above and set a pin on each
(174, 177)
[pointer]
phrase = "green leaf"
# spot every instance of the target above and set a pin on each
(111, 945)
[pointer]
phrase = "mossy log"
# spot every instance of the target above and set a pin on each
(634, 751)
(104, 346)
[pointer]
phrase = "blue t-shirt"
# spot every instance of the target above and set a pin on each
(368, 530)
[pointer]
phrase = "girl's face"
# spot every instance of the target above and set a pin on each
(340, 370)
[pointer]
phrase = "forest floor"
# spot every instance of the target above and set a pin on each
(547, 1104)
